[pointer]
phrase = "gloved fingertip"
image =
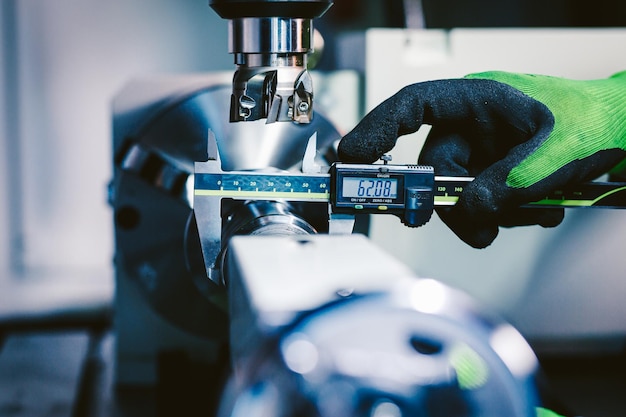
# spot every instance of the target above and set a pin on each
(481, 238)
(351, 149)
(478, 235)
(373, 136)
(552, 218)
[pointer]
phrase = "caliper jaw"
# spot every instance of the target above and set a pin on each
(207, 213)
(208, 199)
(338, 223)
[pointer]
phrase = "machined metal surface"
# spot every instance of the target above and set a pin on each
(250, 215)
(342, 328)
(159, 133)
(270, 35)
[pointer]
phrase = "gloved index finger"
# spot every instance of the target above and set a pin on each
(477, 105)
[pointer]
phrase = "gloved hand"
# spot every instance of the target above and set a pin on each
(521, 136)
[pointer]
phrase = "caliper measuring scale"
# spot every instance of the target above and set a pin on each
(411, 188)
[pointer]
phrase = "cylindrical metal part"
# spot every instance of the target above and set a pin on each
(275, 61)
(270, 40)
(270, 35)
(271, 57)
(261, 218)
(265, 217)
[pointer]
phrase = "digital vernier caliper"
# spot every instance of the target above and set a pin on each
(410, 192)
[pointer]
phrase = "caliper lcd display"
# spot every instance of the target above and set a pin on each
(362, 188)
(405, 191)
(368, 187)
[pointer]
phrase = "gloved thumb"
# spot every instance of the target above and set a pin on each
(469, 105)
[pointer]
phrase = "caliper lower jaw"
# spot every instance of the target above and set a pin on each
(283, 94)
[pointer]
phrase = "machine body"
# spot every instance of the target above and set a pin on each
(160, 127)
(318, 322)
(342, 328)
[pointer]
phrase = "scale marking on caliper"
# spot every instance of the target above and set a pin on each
(595, 194)
(245, 185)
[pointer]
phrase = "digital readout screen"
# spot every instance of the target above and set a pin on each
(364, 187)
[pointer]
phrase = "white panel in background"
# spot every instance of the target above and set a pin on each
(74, 57)
(553, 283)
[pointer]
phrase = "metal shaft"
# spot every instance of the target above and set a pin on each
(270, 41)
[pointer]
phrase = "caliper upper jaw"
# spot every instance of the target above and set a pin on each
(207, 210)
(338, 223)
(207, 205)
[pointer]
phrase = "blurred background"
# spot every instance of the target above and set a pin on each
(62, 62)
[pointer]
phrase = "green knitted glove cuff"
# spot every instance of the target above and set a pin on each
(590, 116)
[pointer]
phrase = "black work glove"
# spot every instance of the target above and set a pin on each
(520, 136)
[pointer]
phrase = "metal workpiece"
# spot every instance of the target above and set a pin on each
(265, 218)
(230, 203)
(343, 328)
(160, 130)
(261, 218)
(270, 41)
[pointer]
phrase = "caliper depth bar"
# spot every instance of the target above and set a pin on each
(589, 194)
